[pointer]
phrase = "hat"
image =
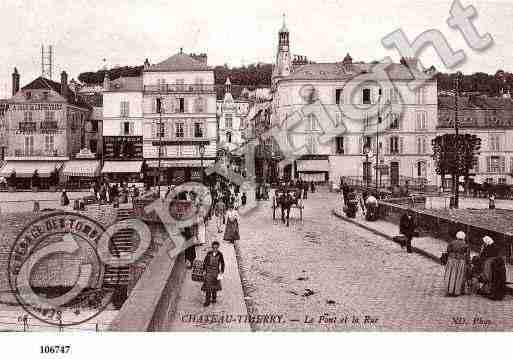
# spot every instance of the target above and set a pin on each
(487, 240)
(460, 235)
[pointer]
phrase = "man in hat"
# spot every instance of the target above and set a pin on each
(407, 228)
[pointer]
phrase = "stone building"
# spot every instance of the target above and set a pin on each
(231, 117)
(379, 118)
(179, 110)
(490, 119)
(45, 127)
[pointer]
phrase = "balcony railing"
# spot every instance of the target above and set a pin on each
(36, 153)
(180, 88)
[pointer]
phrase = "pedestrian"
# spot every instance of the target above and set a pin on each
(231, 232)
(220, 213)
(305, 190)
(491, 201)
(64, 198)
(491, 271)
(190, 235)
(458, 256)
(243, 199)
(312, 186)
(407, 228)
(213, 270)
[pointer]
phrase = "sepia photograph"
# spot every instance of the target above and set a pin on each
(255, 167)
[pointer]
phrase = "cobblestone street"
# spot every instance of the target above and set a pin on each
(326, 268)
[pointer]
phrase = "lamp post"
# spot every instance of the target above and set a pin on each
(160, 133)
(456, 183)
(202, 153)
(366, 174)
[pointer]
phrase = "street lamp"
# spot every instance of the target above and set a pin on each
(202, 153)
(457, 86)
(368, 153)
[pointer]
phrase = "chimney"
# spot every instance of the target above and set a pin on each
(64, 84)
(146, 63)
(15, 81)
(200, 57)
(106, 82)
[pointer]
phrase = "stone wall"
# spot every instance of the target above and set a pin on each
(445, 228)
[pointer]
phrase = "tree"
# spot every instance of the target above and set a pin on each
(454, 155)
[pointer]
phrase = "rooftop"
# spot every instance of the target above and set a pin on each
(179, 62)
(42, 83)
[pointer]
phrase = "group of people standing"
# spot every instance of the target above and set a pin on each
(483, 274)
(107, 193)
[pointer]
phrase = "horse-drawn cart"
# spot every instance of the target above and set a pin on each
(287, 198)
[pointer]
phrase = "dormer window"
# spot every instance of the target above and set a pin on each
(28, 95)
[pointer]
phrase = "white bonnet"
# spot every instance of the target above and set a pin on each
(460, 235)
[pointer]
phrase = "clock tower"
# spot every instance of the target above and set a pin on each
(283, 65)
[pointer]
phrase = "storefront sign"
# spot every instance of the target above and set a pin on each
(123, 139)
(35, 107)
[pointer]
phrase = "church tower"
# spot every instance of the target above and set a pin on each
(283, 63)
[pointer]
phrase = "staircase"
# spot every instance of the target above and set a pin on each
(121, 246)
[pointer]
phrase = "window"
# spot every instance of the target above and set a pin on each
(496, 164)
(502, 180)
(124, 109)
(495, 142)
(198, 129)
(394, 121)
(228, 119)
(338, 96)
(475, 164)
(311, 144)
(421, 95)
(158, 105)
(394, 145)
(229, 137)
(200, 104)
(312, 124)
(162, 84)
(339, 145)
(421, 120)
(421, 169)
(179, 129)
(28, 95)
(490, 180)
(28, 116)
(180, 85)
(93, 145)
(422, 145)
(29, 145)
(182, 105)
(49, 115)
(126, 128)
(49, 140)
(94, 126)
(366, 96)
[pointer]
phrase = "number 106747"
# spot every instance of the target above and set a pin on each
(55, 349)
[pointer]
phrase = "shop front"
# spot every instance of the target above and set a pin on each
(117, 172)
(28, 174)
(313, 170)
(177, 172)
(81, 173)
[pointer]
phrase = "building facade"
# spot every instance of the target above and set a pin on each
(490, 119)
(179, 111)
(45, 127)
(379, 119)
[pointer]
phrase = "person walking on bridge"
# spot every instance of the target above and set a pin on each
(213, 269)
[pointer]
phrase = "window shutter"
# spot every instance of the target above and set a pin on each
(387, 146)
(131, 128)
(360, 144)
(154, 106)
(121, 128)
(503, 164)
(400, 121)
(417, 121)
(401, 145)
(476, 165)
(488, 164)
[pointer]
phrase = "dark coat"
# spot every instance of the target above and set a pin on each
(407, 225)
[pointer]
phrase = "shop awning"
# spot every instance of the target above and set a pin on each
(27, 168)
(122, 167)
(313, 166)
(81, 168)
(179, 163)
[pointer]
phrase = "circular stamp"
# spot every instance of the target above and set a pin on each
(55, 271)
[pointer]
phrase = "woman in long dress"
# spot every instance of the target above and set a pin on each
(493, 271)
(231, 233)
(458, 256)
(213, 269)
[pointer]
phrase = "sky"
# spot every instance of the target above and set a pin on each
(85, 32)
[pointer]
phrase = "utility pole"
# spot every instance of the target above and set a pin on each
(160, 133)
(456, 182)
